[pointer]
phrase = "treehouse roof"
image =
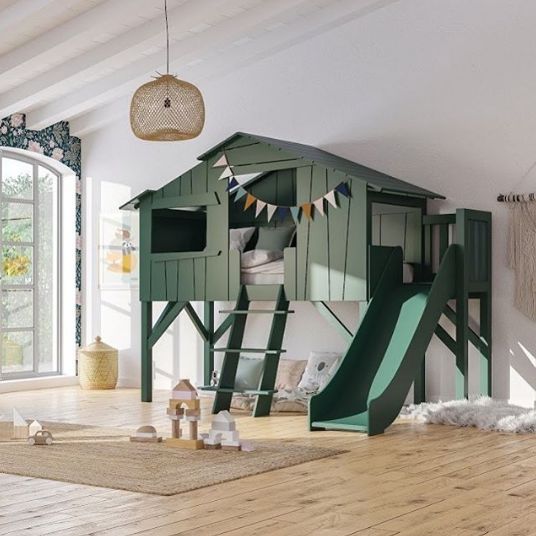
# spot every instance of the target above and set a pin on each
(374, 179)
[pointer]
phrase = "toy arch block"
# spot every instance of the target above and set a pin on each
(184, 404)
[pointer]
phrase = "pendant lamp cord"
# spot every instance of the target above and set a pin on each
(167, 37)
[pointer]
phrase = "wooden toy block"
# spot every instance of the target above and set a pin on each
(193, 429)
(175, 412)
(135, 439)
(230, 447)
(194, 444)
(34, 428)
(195, 418)
(223, 421)
(176, 429)
(184, 390)
(192, 412)
(145, 434)
(208, 446)
(190, 404)
(20, 426)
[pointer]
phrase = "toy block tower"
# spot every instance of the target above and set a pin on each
(184, 405)
(223, 433)
(20, 426)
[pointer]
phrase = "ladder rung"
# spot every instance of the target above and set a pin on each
(237, 391)
(248, 350)
(254, 311)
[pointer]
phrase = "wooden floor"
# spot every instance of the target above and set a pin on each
(414, 480)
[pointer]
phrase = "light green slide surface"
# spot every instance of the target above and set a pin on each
(370, 386)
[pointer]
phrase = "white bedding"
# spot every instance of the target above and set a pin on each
(273, 273)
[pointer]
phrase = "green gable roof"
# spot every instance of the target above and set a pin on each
(375, 179)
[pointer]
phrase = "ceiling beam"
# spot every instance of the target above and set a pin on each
(129, 77)
(15, 14)
(130, 43)
(102, 16)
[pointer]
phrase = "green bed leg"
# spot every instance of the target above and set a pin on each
(419, 386)
(485, 353)
(208, 356)
(146, 352)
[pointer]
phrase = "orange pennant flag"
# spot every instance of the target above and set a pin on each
(307, 210)
(249, 201)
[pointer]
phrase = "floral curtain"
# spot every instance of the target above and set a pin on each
(57, 143)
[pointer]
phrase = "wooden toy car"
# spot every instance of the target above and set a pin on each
(42, 437)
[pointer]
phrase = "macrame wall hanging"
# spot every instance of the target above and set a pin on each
(280, 212)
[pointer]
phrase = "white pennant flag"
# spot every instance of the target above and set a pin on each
(227, 172)
(319, 205)
(221, 162)
(270, 210)
(331, 199)
(259, 208)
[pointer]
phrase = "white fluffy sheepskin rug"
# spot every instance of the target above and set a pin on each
(482, 412)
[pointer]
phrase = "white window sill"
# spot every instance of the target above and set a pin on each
(28, 384)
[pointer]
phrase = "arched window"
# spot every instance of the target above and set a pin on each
(30, 204)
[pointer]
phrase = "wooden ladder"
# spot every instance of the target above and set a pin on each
(266, 387)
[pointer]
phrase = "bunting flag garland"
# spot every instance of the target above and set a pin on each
(319, 205)
(222, 161)
(331, 199)
(232, 184)
(259, 208)
(249, 201)
(342, 188)
(307, 210)
(270, 209)
(227, 173)
(237, 181)
(240, 193)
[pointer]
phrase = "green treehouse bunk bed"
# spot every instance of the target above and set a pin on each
(353, 234)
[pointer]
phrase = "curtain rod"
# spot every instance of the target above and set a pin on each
(516, 198)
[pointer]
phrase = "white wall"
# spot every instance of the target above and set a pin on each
(442, 94)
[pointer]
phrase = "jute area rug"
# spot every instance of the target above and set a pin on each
(104, 457)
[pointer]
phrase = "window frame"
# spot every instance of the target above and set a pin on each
(34, 202)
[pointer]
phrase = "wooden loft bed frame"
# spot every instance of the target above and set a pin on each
(185, 256)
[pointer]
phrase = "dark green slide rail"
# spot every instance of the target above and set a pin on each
(372, 382)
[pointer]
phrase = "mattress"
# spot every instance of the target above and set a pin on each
(273, 273)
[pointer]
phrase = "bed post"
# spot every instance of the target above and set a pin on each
(146, 352)
(208, 356)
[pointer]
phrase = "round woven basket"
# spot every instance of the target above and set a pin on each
(97, 366)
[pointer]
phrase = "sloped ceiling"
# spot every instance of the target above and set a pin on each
(72, 59)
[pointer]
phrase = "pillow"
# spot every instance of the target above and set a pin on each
(257, 257)
(289, 373)
(238, 238)
(317, 371)
(248, 373)
(275, 238)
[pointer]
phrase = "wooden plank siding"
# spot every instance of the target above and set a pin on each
(328, 262)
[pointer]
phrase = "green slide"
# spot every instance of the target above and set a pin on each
(372, 382)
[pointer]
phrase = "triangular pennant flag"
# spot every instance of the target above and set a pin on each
(343, 189)
(307, 210)
(245, 177)
(331, 199)
(227, 172)
(259, 208)
(270, 209)
(295, 211)
(319, 205)
(249, 201)
(232, 183)
(221, 162)
(281, 213)
(240, 193)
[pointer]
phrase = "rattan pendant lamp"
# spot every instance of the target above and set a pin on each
(167, 109)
